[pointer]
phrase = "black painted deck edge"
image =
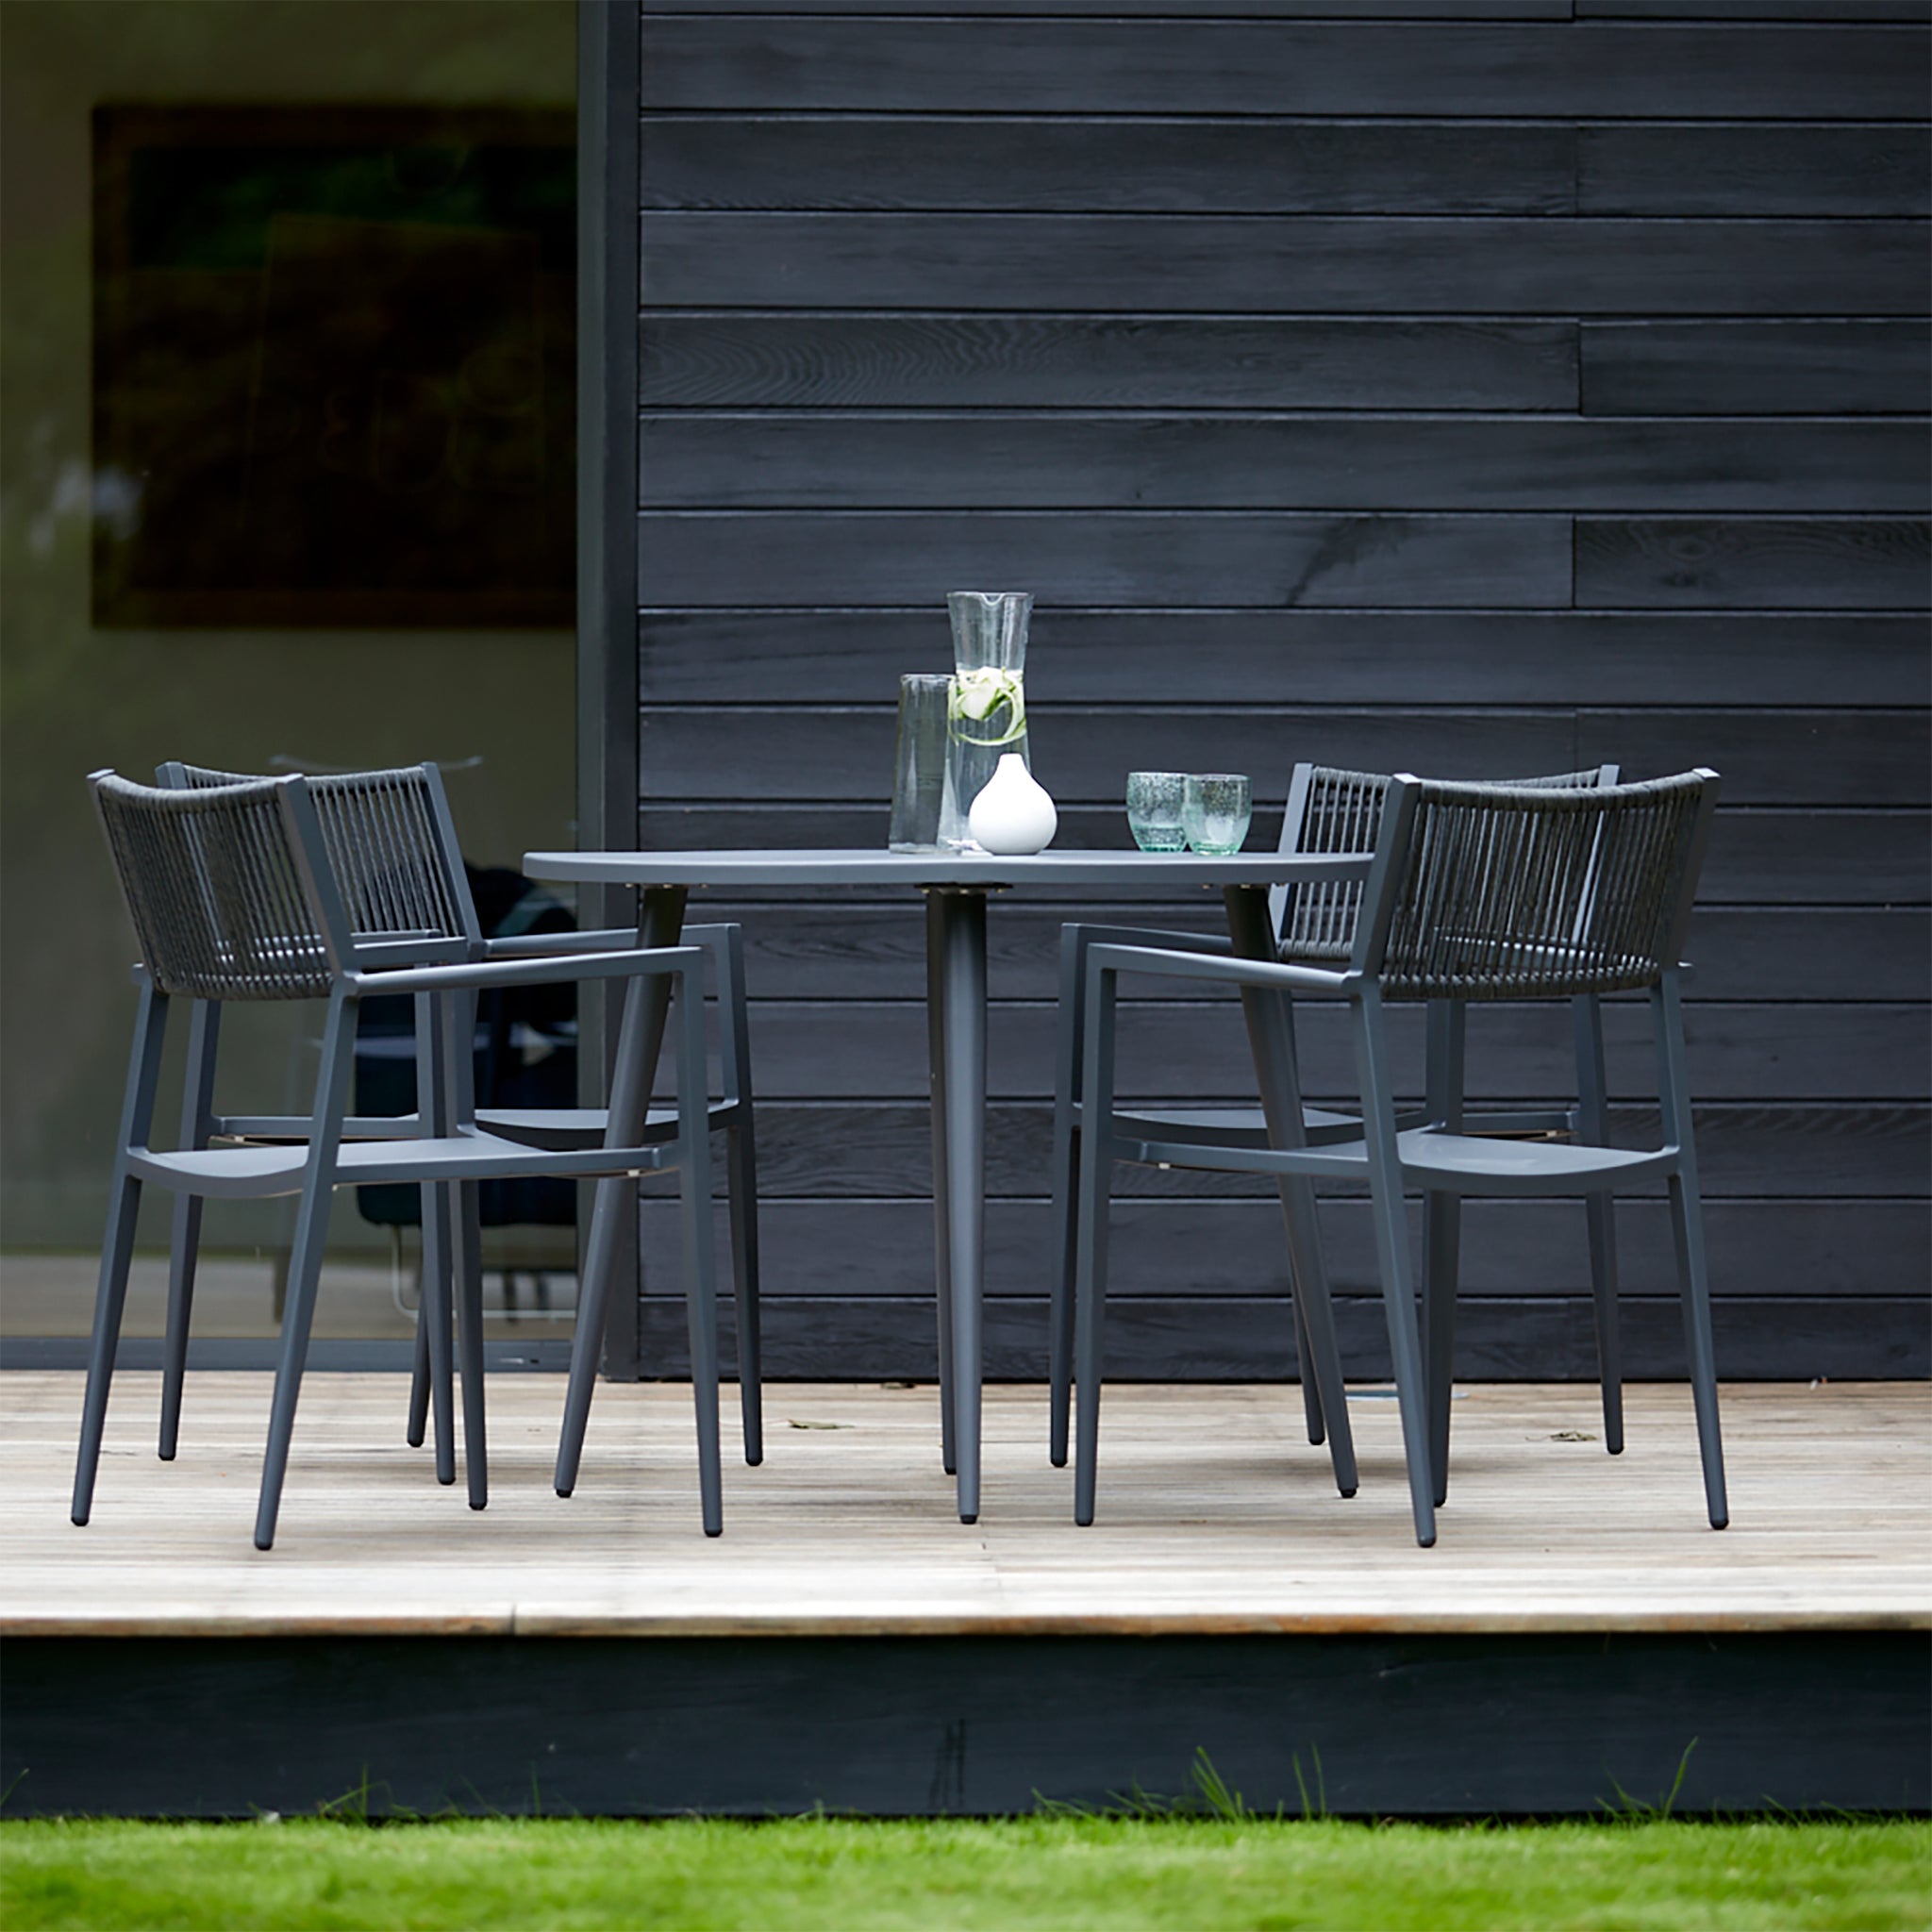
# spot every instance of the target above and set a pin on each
(1504, 1725)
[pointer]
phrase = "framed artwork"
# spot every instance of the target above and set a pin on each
(334, 372)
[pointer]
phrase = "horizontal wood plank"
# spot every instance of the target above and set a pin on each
(776, 557)
(1262, 264)
(1778, 563)
(992, 460)
(1819, 857)
(826, 357)
(881, 1150)
(1022, 164)
(1050, 65)
(1755, 368)
(1181, 1250)
(1766, 1051)
(1691, 168)
(841, 950)
(1083, 755)
(1321, 657)
(1212, 1339)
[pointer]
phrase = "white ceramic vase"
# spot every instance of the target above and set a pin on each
(1012, 816)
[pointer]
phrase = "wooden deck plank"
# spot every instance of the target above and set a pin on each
(1216, 1517)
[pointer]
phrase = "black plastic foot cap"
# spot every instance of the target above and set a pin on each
(752, 1462)
(1346, 1494)
(974, 1518)
(715, 1532)
(563, 1493)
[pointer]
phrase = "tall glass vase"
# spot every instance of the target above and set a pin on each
(988, 711)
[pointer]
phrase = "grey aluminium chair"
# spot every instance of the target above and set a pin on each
(233, 896)
(1477, 892)
(1331, 809)
(399, 870)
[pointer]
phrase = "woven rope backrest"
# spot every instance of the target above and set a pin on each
(384, 847)
(1343, 813)
(1520, 892)
(215, 890)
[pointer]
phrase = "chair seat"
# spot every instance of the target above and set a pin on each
(259, 1171)
(583, 1127)
(1514, 1167)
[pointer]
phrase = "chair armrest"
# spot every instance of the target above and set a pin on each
(679, 960)
(530, 945)
(1255, 972)
(1083, 935)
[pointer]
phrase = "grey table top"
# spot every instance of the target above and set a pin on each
(859, 866)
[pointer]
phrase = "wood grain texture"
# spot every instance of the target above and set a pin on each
(1818, 857)
(1778, 563)
(1755, 368)
(1222, 1338)
(995, 460)
(851, 949)
(1024, 164)
(1085, 753)
(713, 558)
(1644, 168)
(1341, 657)
(800, 359)
(807, 1049)
(1215, 1514)
(1266, 265)
(1325, 658)
(881, 1150)
(1611, 322)
(1051, 65)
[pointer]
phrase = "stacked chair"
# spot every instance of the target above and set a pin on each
(347, 888)
(1525, 891)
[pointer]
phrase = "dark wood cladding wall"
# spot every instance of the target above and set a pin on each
(1472, 388)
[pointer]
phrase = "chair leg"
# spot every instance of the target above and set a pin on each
(1442, 1224)
(614, 1198)
(1062, 1246)
(1442, 1242)
(431, 1380)
(1270, 1040)
(1391, 1249)
(466, 1272)
(1687, 1226)
(197, 1107)
(117, 1243)
(1089, 1280)
(1592, 1125)
(741, 1163)
(117, 1251)
(305, 1262)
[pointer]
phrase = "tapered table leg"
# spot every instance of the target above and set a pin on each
(661, 922)
(1270, 1035)
(957, 933)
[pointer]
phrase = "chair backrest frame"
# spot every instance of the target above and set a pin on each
(1333, 809)
(391, 845)
(228, 887)
(1486, 892)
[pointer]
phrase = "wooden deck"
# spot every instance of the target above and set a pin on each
(1216, 1517)
(1577, 1634)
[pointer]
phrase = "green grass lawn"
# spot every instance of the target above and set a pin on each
(1063, 1873)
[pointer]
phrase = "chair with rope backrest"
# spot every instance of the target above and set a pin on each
(392, 851)
(1332, 811)
(232, 892)
(1477, 892)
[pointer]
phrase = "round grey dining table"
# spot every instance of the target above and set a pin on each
(955, 887)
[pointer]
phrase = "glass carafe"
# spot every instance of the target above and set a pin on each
(988, 711)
